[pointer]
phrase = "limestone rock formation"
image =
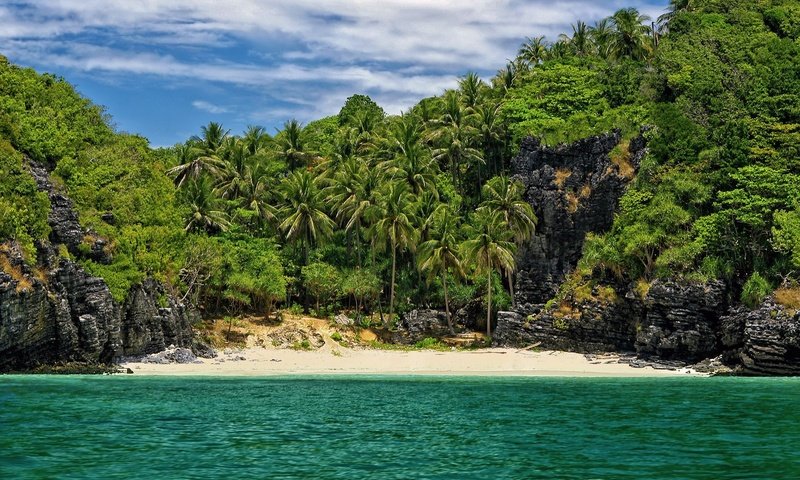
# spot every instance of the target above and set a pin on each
(682, 321)
(57, 312)
(770, 339)
(574, 189)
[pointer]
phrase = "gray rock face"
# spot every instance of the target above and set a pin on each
(60, 313)
(148, 326)
(674, 321)
(589, 327)
(574, 189)
(417, 325)
(770, 339)
(682, 321)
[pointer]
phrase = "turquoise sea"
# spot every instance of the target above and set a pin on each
(103, 427)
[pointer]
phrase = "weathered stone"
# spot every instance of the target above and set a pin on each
(574, 189)
(682, 321)
(343, 320)
(60, 313)
(471, 316)
(589, 327)
(419, 324)
(771, 337)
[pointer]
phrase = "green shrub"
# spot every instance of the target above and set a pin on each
(754, 290)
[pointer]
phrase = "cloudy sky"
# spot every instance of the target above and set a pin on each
(163, 68)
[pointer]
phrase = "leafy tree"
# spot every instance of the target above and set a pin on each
(394, 226)
(304, 220)
(323, 281)
(490, 248)
(360, 107)
(438, 256)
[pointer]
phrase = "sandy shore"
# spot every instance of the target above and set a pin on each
(496, 361)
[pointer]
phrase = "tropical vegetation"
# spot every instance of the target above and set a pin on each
(380, 213)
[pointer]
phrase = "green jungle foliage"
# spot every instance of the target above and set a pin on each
(379, 213)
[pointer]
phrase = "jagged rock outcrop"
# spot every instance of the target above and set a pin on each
(152, 320)
(590, 326)
(63, 219)
(770, 339)
(57, 312)
(420, 324)
(574, 189)
(682, 321)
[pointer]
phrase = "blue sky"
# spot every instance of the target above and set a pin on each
(165, 68)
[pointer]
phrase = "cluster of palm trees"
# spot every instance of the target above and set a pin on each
(414, 185)
(626, 34)
(399, 185)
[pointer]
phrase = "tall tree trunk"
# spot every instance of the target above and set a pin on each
(489, 307)
(447, 303)
(391, 289)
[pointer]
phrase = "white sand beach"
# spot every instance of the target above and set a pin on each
(496, 361)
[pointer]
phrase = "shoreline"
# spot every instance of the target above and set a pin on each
(353, 361)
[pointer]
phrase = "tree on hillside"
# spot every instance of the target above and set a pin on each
(290, 145)
(533, 51)
(453, 133)
(631, 35)
(410, 160)
(490, 249)
(200, 155)
(206, 212)
(503, 197)
(395, 226)
(440, 255)
(302, 210)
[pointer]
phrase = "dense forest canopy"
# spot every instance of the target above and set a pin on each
(384, 213)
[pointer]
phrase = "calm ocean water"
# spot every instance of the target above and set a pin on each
(398, 427)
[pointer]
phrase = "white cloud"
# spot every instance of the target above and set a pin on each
(209, 107)
(310, 53)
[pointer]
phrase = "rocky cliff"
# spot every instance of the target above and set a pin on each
(57, 312)
(574, 189)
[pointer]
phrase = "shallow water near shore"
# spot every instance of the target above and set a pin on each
(398, 427)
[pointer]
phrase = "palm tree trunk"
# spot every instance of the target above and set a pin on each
(391, 288)
(447, 303)
(489, 307)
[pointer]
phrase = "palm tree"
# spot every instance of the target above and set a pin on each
(304, 220)
(237, 161)
(200, 155)
(580, 41)
(490, 249)
(206, 213)
(631, 35)
(455, 133)
(439, 255)
(471, 87)
(254, 194)
(395, 226)
(674, 7)
(411, 160)
(256, 139)
(490, 131)
(559, 49)
(506, 77)
(504, 198)
(290, 143)
(533, 51)
(601, 36)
